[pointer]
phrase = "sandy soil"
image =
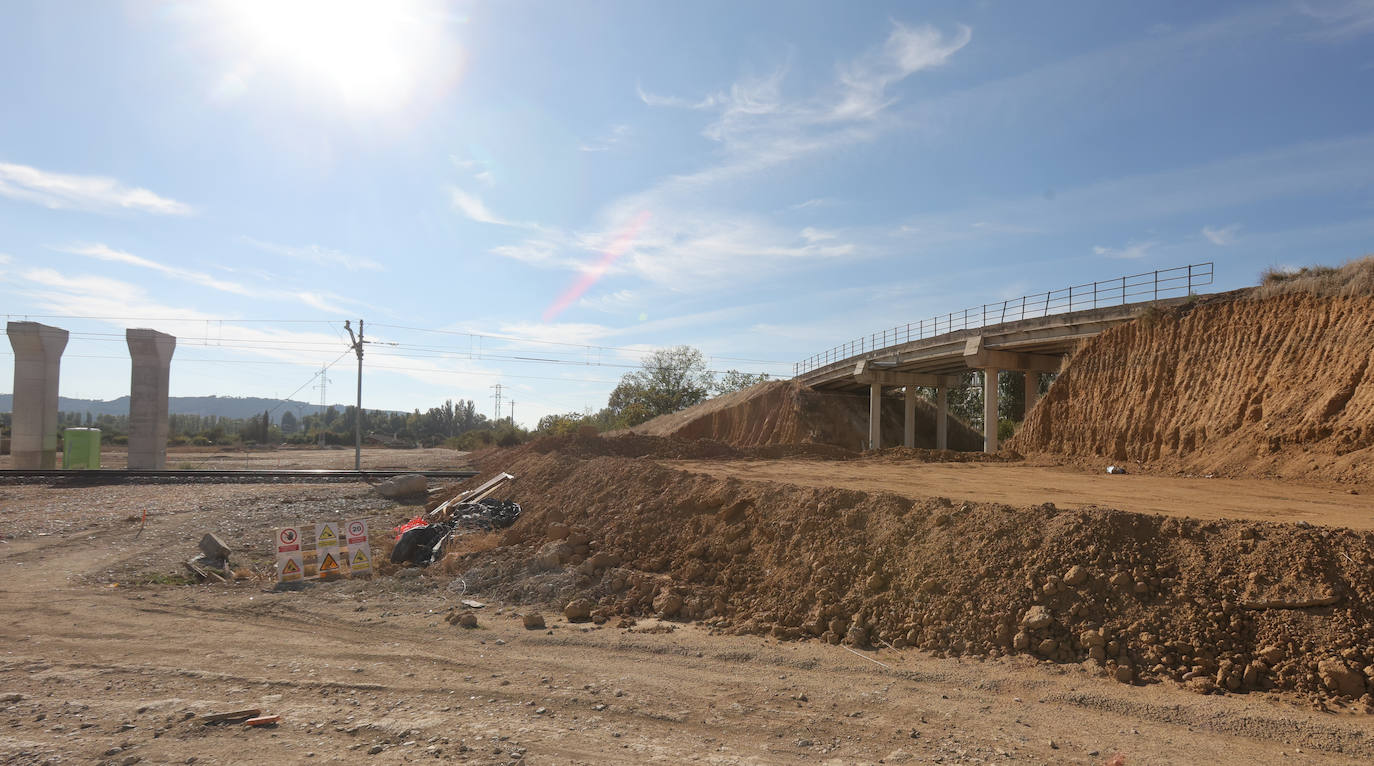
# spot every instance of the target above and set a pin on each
(338, 458)
(107, 670)
(1066, 487)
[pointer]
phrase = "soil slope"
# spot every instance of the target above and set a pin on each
(1279, 385)
(786, 412)
(1234, 605)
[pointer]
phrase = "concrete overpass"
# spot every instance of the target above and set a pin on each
(1031, 335)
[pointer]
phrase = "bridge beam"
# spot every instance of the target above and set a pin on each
(865, 372)
(979, 357)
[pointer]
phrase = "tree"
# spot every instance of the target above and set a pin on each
(288, 422)
(669, 379)
(734, 380)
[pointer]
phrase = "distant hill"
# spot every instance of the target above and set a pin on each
(221, 406)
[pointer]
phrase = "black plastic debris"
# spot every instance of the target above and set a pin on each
(486, 514)
(423, 543)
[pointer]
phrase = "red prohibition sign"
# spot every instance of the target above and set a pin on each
(288, 536)
(355, 528)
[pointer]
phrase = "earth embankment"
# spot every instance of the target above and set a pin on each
(1234, 385)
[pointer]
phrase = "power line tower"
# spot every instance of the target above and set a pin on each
(323, 386)
(496, 413)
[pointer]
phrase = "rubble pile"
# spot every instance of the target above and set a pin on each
(1221, 606)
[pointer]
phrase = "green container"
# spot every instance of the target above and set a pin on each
(81, 448)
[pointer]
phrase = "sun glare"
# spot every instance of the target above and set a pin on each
(369, 53)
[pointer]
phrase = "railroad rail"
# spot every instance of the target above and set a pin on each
(98, 476)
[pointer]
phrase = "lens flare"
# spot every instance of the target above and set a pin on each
(622, 242)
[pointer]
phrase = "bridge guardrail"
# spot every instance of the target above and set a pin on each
(1161, 283)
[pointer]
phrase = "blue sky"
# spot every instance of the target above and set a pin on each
(492, 184)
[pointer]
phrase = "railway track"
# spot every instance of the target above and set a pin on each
(112, 476)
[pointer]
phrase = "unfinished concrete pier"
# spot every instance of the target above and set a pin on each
(37, 361)
(151, 353)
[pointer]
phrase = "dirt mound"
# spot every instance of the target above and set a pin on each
(1278, 385)
(786, 412)
(1234, 605)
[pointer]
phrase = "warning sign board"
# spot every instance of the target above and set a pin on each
(357, 532)
(328, 561)
(288, 540)
(290, 567)
(326, 535)
(360, 558)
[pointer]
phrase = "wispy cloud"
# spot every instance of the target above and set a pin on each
(96, 193)
(1221, 235)
(474, 208)
(1340, 20)
(908, 50)
(320, 256)
(101, 252)
(615, 135)
(1130, 251)
(815, 203)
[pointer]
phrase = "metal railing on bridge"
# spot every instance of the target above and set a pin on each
(1145, 287)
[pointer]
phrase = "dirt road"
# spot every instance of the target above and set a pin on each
(1022, 484)
(367, 671)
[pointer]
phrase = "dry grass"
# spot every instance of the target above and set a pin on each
(1354, 278)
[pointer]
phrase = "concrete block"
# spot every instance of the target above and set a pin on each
(213, 547)
(404, 486)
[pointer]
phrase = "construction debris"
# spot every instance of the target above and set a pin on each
(235, 715)
(421, 541)
(263, 720)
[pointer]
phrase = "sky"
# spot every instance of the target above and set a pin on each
(535, 194)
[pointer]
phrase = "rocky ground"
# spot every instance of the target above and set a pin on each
(109, 657)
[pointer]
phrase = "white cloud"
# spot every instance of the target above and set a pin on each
(1221, 235)
(321, 301)
(817, 202)
(1130, 251)
(474, 208)
(320, 256)
(98, 193)
(615, 135)
(1340, 20)
(811, 234)
(908, 50)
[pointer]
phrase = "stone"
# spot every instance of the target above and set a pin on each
(1092, 638)
(668, 603)
(1021, 641)
(1125, 674)
(404, 485)
(1271, 655)
(534, 621)
(557, 532)
(579, 609)
(1121, 581)
(1037, 617)
(11, 697)
(1339, 677)
(214, 548)
(857, 636)
(1047, 647)
(1076, 576)
(467, 620)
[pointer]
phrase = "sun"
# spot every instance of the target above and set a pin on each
(368, 53)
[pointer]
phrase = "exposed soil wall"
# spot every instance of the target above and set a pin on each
(1229, 605)
(786, 412)
(1280, 385)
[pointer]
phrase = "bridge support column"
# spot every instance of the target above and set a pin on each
(151, 352)
(990, 375)
(875, 416)
(909, 430)
(37, 362)
(942, 417)
(1032, 392)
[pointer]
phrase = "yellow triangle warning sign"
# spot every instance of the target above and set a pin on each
(290, 568)
(326, 537)
(359, 558)
(329, 564)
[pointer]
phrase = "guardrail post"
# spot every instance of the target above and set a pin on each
(1156, 284)
(1190, 279)
(1094, 295)
(1070, 298)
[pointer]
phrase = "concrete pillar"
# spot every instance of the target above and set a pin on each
(942, 417)
(1032, 391)
(875, 416)
(151, 352)
(990, 409)
(909, 431)
(37, 361)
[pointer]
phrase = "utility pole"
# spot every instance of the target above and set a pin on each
(323, 386)
(358, 412)
(512, 413)
(496, 413)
